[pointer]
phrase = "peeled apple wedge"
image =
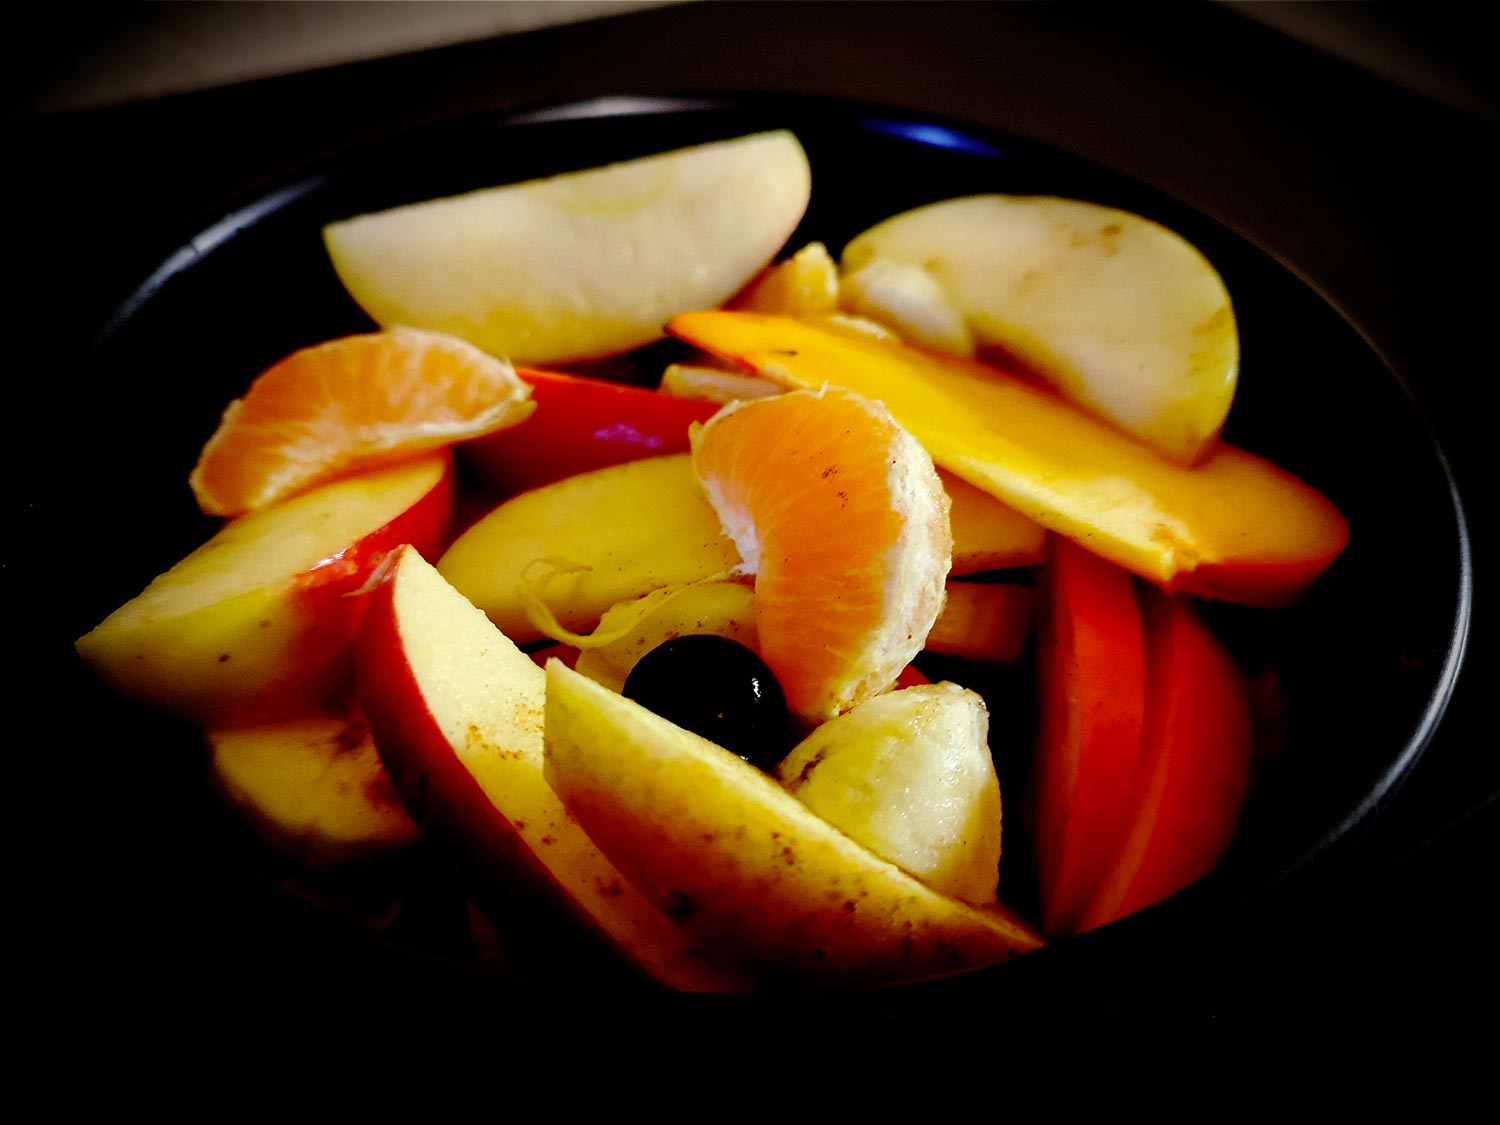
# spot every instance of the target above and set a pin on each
(582, 265)
(744, 866)
(1122, 315)
(1235, 527)
(908, 774)
(312, 786)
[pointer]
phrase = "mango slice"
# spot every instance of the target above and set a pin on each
(1235, 527)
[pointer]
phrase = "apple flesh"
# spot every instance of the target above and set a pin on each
(582, 265)
(313, 787)
(457, 713)
(259, 622)
(598, 538)
(1122, 315)
(743, 865)
(1236, 527)
(607, 536)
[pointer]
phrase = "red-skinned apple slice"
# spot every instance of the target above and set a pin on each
(259, 622)
(1194, 768)
(457, 713)
(582, 423)
(1092, 679)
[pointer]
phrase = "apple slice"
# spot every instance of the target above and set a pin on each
(742, 864)
(588, 542)
(313, 787)
(1091, 671)
(259, 622)
(908, 774)
(581, 423)
(1194, 769)
(456, 710)
(598, 538)
(583, 265)
(1235, 527)
(1124, 316)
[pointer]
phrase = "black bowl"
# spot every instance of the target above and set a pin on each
(1367, 660)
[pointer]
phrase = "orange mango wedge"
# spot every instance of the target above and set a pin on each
(1235, 527)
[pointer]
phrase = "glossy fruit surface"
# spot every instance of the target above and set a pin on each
(719, 689)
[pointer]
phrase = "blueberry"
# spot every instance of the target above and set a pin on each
(719, 689)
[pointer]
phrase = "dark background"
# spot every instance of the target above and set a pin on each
(1380, 195)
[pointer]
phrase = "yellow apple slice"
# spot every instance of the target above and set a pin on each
(591, 541)
(312, 786)
(588, 542)
(456, 710)
(259, 622)
(583, 265)
(1124, 316)
(908, 774)
(742, 864)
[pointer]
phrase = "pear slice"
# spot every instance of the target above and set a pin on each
(909, 775)
(583, 265)
(1122, 315)
(744, 866)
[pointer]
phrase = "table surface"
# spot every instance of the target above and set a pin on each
(1377, 195)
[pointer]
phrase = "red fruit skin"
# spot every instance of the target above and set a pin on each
(1092, 679)
(910, 677)
(581, 423)
(333, 595)
(1195, 766)
(448, 804)
(427, 525)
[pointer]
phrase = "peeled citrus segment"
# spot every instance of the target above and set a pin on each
(909, 775)
(349, 405)
(1124, 316)
(841, 517)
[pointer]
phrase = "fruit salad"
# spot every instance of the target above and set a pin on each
(852, 637)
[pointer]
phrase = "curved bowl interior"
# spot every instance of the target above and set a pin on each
(1364, 661)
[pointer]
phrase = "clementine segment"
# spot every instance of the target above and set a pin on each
(350, 405)
(841, 517)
